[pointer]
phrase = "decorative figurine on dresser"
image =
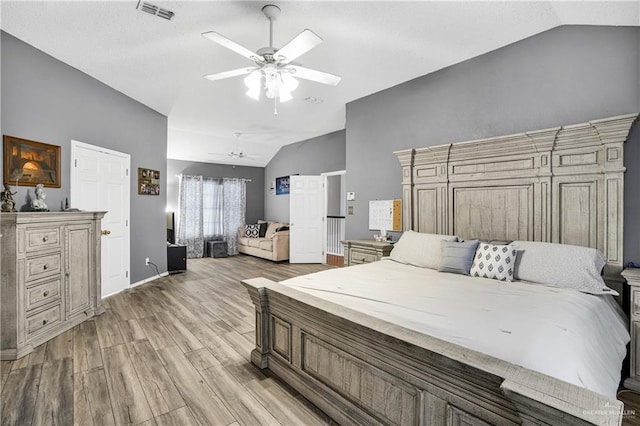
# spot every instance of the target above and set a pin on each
(38, 204)
(6, 198)
(50, 278)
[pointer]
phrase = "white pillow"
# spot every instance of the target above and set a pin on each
(419, 249)
(562, 265)
(495, 261)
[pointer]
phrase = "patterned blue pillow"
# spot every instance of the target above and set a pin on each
(252, 231)
(494, 261)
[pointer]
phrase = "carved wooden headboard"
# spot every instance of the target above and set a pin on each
(563, 185)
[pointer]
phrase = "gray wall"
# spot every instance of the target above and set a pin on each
(334, 195)
(48, 101)
(255, 188)
(567, 75)
(310, 157)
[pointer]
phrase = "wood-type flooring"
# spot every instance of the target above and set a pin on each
(174, 351)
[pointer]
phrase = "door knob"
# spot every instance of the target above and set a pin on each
(105, 232)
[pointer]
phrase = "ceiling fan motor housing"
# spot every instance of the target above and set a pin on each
(268, 53)
(271, 11)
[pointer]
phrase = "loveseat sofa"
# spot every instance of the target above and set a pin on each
(273, 246)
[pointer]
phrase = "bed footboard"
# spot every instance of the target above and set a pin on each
(359, 369)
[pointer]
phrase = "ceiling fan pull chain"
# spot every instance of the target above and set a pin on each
(275, 105)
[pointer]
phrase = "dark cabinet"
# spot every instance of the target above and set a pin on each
(176, 258)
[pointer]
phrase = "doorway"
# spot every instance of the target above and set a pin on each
(335, 209)
(100, 181)
(306, 216)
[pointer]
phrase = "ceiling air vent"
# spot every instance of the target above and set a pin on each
(155, 10)
(313, 100)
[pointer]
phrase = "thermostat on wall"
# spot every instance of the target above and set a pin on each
(351, 196)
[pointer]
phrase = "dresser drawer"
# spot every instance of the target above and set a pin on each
(44, 320)
(42, 238)
(635, 302)
(43, 293)
(362, 256)
(42, 266)
(635, 348)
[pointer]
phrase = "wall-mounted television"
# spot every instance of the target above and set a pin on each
(171, 228)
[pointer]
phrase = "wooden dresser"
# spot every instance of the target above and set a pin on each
(632, 275)
(50, 276)
(364, 251)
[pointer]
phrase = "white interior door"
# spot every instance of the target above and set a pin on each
(100, 181)
(306, 214)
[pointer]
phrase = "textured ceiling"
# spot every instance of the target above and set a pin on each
(371, 45)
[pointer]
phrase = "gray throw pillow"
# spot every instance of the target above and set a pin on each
(419, 249)
(562, 265)
(457, 257)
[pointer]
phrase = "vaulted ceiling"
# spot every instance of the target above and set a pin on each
(372, 45)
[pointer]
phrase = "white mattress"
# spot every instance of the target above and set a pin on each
(575, 337)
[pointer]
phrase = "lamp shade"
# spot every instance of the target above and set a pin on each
(277, 83)
(252, 81)
(289, 83)
(285, 95)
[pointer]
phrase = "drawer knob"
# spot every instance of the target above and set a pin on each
(45, 294)
(44, 322)
(105, 232)
(45, 266)
(45, 239)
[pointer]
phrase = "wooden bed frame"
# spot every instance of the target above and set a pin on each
(567, 186)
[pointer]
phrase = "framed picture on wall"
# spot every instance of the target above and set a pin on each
(282, 185)
(29, 163)
(148, 181)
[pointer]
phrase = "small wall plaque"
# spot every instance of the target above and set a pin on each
(148, 181)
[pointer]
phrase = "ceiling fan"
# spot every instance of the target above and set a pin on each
(274, 70)
(240, 154)
(237, 152)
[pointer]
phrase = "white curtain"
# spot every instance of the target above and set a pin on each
(235, 206)
(190, 228)
(212, 208)
(209, 208)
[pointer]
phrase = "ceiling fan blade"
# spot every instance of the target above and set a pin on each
(231, 73)
(232, 45)
(301, 44)
(313, 75)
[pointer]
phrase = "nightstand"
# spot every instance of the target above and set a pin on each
(365, 251)
(632, 275)
(176, 258)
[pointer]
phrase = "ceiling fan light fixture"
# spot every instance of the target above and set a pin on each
(288, 82)
(285, 95)
(254, 93)
(278, 83)
(253, 83)
(274, 67)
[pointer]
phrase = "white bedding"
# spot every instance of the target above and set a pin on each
(575, 337)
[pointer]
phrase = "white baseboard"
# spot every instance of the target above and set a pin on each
(153, 278)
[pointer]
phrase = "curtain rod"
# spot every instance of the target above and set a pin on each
(209, 177)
